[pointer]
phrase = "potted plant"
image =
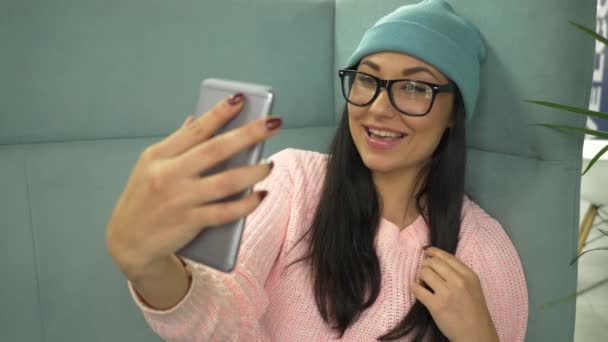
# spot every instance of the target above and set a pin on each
(596, 133)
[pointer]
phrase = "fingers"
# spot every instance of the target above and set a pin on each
(224, 212)
(188, 121)
(227, 183)
(443, 269)
(200, 129)
(423, 295)
(435, 282)
(448, 258)
(224, 146)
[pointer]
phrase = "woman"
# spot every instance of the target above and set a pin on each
(376, 240)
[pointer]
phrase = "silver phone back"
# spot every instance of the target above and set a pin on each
(218, 246)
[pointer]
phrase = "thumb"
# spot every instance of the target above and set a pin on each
(188, 121)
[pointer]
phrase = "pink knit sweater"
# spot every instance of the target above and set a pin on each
(259, 302)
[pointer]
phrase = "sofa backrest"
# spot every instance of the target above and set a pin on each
(90, 84)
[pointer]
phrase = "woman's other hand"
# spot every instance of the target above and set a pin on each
(456, 299)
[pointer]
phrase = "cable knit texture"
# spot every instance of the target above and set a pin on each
(262, 301)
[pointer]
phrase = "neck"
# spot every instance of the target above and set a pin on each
(397, 191)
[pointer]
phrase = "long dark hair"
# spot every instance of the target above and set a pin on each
(344, 265)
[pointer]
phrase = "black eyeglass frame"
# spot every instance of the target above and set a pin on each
(387, 84)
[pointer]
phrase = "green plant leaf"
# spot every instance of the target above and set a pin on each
(589, 31)
(571, 109)
(595, 158)
(599, 134)
(587, 251)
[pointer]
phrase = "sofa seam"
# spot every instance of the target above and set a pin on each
(34, 245)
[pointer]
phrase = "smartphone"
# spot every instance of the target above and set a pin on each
(218, 246)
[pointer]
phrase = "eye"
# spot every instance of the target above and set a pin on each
(413, 88)
(365, 80)
(416, 89)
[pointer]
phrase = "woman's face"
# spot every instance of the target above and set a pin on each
(420, 134)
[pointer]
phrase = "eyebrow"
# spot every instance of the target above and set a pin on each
(405, 72)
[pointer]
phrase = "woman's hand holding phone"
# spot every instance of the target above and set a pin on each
(166, 202)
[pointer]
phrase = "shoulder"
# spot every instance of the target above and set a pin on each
(299, 164)
(484, 242)
(303, 172)
(486, 247)
(293, 157)
(479, 226)
(484, 239)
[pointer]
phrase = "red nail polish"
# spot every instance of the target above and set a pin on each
(273, 123)
(262, 194)
(236, 98)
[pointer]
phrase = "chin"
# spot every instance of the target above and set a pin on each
(379, 163)
(389, 163)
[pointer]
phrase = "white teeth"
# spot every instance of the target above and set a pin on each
(385, 133)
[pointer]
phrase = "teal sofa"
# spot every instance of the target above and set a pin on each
(87, 85)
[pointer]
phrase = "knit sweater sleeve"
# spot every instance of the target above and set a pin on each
(228, 306)
(491, 255)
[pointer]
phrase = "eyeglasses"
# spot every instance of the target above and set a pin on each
(409, 97)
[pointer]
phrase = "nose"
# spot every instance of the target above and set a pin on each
(382, 105)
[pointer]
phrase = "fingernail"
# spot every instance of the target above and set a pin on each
(236, 98)
(425, 247)
(188, 121)
(262, 194)
(273, 123)
(268, 162)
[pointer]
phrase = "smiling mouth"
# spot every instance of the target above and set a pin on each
(383, 135)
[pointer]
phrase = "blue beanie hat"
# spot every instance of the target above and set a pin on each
(432, 32)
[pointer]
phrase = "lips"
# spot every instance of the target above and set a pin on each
(383, 133)
(382, 143)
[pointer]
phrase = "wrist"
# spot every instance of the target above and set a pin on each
(163, 284)
(491, 335)
(137, 271)
(479, 338)
(486, 334)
